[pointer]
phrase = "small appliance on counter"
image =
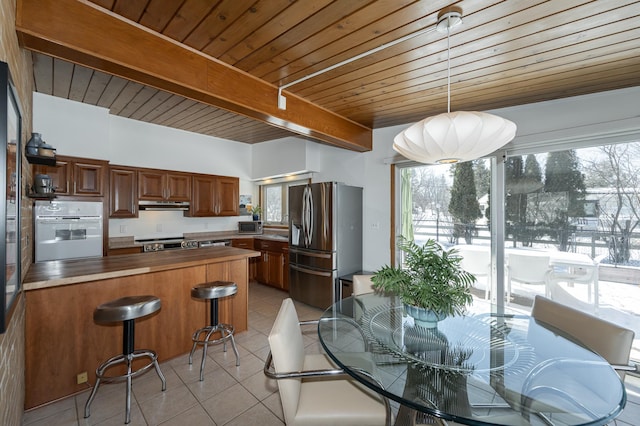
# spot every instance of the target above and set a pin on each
(253, 227)
(42, 184)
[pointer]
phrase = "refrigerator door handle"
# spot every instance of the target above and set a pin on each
(311, 271)
(307, 216)
(311, 253)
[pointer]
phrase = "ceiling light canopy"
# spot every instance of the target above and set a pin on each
(453, 137)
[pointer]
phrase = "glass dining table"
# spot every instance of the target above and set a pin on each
(482, 368)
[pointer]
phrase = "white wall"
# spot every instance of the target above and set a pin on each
(81, 130)
(606, 117)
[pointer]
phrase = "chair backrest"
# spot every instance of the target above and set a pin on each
(608, 340)
(475, 260)
(362, 284)
(528, 268)
(287, 349)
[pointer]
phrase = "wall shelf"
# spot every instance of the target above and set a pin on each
(41, 196)
(40, 159)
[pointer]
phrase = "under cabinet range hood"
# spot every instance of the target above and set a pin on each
(163, 205)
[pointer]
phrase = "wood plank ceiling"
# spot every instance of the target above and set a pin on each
(506, 53)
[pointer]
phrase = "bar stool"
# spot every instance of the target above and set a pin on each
(213, 291)
(125, 309)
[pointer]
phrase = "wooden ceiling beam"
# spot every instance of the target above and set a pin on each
(83, 33)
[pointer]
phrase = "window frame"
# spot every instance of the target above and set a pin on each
(284, 187)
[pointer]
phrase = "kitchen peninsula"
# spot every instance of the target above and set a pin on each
(62, 339)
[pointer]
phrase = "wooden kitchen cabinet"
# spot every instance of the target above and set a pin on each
(214, 196)
(247, 243)
(123, 193)
(124, 250)
(162, 185)
(75, 176)
(273, 264)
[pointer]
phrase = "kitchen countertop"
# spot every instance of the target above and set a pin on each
(126, 242)
(73, 271)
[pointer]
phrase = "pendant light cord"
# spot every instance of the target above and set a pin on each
(448, 67)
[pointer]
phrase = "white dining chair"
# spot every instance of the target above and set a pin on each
(528, 268)
(611, 341)
(313, 390)
(477, 261)
(362, 284)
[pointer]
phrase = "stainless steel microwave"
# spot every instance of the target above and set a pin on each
(254, 227)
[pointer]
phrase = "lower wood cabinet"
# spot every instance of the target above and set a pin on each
(273, 264)
(124, 250)
(248, 243)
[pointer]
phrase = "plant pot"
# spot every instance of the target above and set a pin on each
(256, 217)
(423, 317)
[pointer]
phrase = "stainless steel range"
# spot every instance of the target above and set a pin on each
(160, 244)
(172, 243)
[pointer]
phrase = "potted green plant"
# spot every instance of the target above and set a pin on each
(432, 285)
(256, 211)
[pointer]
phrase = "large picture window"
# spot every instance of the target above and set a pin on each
(570, 226)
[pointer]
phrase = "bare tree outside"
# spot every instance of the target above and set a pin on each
(613, 178)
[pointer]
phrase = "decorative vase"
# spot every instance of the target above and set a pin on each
(423, 317)
(34, 142)
(256, 217)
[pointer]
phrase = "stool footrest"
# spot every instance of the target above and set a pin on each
(125, 359)
(209, 330)
(226, 333)
(122, 359)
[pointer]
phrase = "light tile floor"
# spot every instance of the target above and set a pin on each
(229, 395)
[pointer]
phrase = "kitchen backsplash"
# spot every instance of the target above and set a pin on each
(158, 224)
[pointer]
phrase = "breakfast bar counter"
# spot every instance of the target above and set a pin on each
(62, 340)
(64, 272)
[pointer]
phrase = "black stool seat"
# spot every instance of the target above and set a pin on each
(213, 291)
(125, 310)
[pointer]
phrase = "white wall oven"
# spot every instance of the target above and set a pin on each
(67, 229)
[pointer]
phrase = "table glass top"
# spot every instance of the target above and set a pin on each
(480, 368)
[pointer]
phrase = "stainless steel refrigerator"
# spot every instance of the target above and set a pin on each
(325, 240)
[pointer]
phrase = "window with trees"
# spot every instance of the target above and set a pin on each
(275, 201)
(577, 208)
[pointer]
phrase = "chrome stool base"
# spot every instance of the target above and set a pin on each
(126, 310)
(206, 341)
(126, 360)
(213, 291)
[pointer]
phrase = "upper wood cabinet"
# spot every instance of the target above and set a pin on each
(214, 196)
(74, 176)
(123, 192)
(162, 185)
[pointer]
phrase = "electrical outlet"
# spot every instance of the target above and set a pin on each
(82, 378)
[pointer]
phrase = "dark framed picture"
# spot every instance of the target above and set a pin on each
(10, 133)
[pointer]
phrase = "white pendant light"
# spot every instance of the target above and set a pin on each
(453, 137)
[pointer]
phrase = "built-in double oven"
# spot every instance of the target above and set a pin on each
(67, 229)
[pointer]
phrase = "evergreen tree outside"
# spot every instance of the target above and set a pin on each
(532, 183)
(516, 198)
(464, 206)
(564, 179)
